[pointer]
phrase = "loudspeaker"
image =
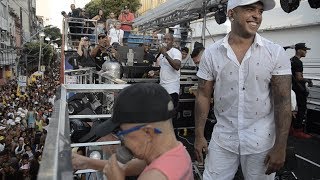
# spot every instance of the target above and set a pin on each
(78, 129)
(313, 121)
(185, 114)
(289, 5)
(315, 4)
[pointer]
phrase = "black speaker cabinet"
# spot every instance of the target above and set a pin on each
(313, 121)
(185, 114)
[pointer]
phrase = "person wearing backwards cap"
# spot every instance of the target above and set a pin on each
(251, 80)
(143, 112)
(299, 87)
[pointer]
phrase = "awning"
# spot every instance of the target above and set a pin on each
(174, 12)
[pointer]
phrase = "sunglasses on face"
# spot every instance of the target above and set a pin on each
(122, 133)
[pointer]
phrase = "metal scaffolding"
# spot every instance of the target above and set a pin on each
(175, 12)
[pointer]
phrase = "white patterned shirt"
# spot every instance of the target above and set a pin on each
(243, 102)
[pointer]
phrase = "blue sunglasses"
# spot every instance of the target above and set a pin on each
(121, 134)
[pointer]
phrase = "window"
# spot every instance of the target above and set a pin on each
(3, 11)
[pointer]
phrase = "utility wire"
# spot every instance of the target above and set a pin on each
(25, 10)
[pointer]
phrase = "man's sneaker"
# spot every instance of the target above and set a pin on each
(298, 133)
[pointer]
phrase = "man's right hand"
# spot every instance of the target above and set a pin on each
(79, 162)
(201, 147)
(151, 73)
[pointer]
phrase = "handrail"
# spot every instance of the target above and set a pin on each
(68, 42)
(56, 158)
(56, 161)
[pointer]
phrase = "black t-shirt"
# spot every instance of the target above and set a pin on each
(99, 60)
(149, 57)
(86, 60)
(297, 66)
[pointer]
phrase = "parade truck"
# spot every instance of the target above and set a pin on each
(86, 95)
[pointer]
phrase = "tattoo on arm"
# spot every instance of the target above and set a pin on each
(201, 83)
(281, 91)
(202, 104)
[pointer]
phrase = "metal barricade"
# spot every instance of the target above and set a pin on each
(56, 159)
(79, 76)
(105, 78)
(75, 28)
(314, 93)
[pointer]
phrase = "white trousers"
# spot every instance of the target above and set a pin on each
(221, 164)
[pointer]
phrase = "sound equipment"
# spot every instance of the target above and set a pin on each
(313, 121)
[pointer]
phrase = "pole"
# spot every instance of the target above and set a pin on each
(62, 53)
(40, 53)
(204, 24)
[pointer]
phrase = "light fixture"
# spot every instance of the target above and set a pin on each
(289, 5)
(95, 155)
(42, 34)
(220, 16)
(315, 4)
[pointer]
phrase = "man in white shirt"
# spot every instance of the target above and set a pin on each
(170, 64)
(116, 34)
(251, 80)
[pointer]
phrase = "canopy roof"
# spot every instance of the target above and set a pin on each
(174, 12)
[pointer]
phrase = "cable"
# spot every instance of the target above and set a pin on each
(210, 34)
(184, 139)
(26, 11)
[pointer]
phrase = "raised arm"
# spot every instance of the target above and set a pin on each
(176, 64)
(132, 168)
(281, 92)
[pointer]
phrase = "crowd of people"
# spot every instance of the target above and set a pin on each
(82, 24)
(24, 117)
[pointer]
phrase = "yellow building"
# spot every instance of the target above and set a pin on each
(149, 4)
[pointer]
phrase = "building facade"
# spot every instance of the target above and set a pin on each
(149, 4)
(17, 23)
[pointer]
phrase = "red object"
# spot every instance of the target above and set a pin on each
(123, 18)
(298, 133)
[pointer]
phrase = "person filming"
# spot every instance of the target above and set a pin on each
(85, 59)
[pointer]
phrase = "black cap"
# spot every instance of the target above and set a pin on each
(138, 103)
(301, 46)
(102, 35)
(197, 48)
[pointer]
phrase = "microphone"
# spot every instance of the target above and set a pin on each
(162, 45)
(123, 155)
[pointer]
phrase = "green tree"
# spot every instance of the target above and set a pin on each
(111, 6)
(53, 33)
(31, 50)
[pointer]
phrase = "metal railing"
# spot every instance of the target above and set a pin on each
(75, 28)
(79, 76)
(314, 93)
(56, 159)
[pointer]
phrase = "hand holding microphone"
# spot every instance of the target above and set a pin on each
(163, 48)
(114, 168)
